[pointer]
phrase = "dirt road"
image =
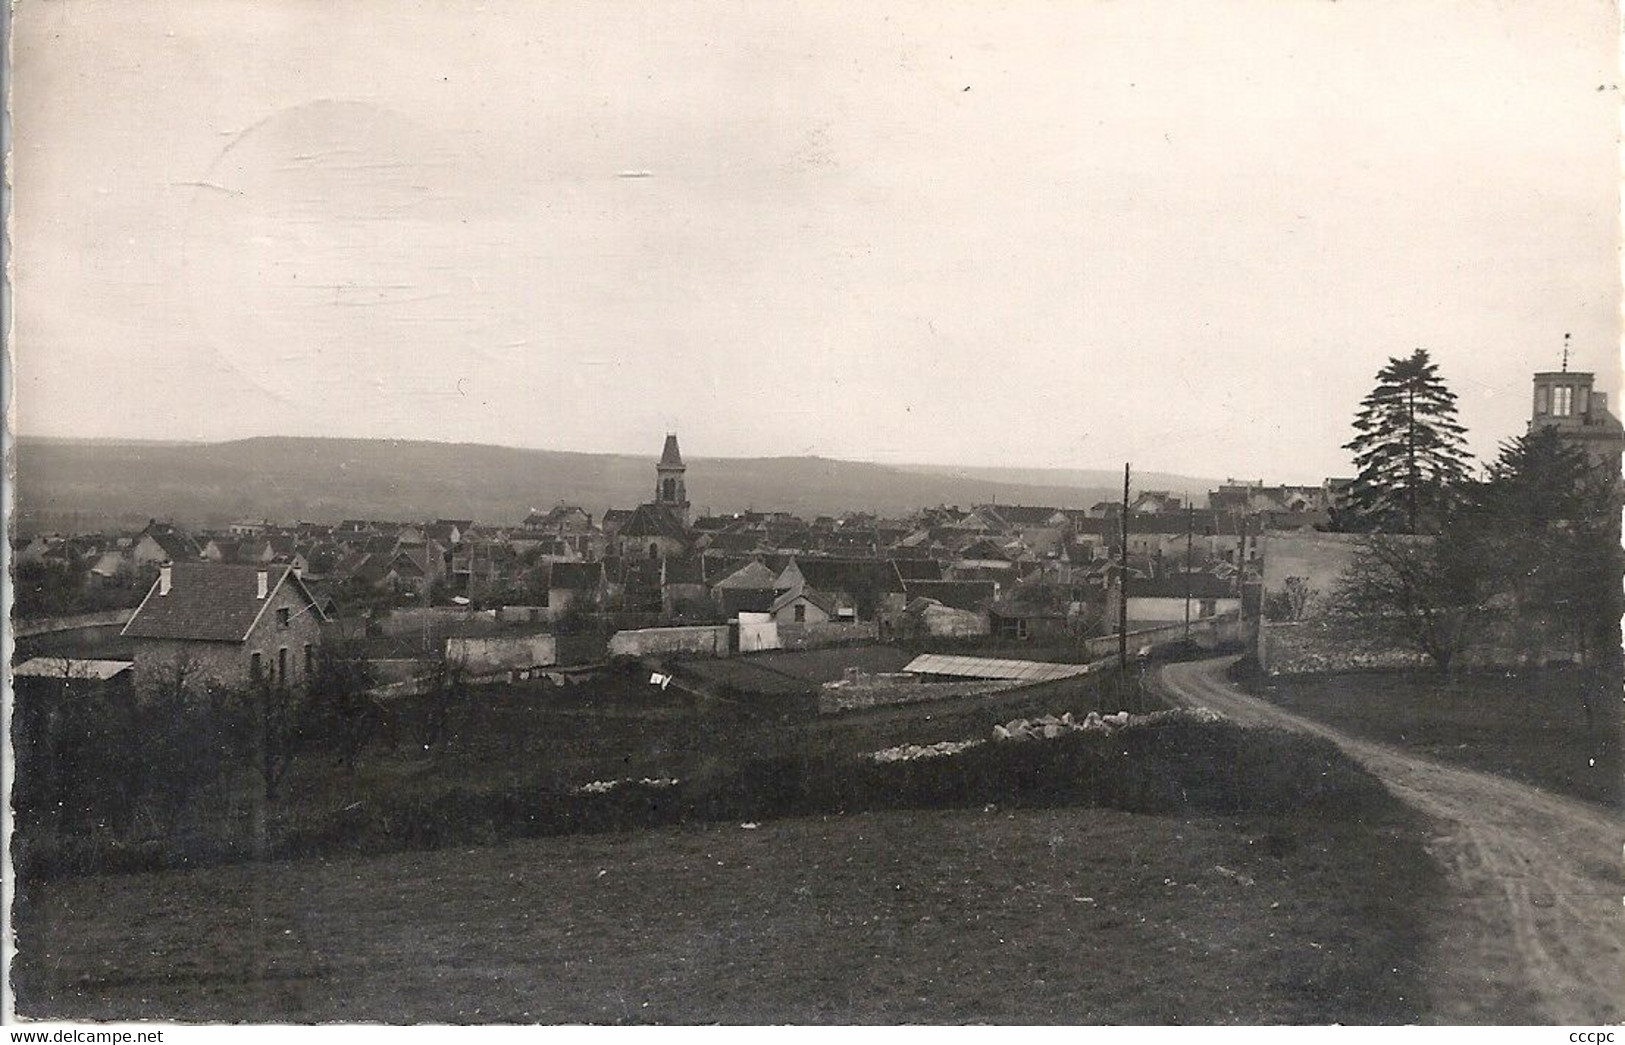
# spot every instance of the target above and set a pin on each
(1534, 929)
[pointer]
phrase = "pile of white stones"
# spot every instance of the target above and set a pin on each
(1046, 727)
(598, 787)
(1049, 727)
(910, 752)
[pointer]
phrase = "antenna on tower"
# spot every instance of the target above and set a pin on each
(1565, 353)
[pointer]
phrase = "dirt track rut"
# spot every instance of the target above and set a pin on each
(1534, 928)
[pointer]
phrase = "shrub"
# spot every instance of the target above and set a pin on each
(1167, 763)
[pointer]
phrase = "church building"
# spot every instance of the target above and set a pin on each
(658, 529)
(1566, 400)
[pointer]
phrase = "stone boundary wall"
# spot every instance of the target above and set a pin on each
(1210, 633)
(1332, 644)
(499, 653)
(812, 636)
(706, 640)
(411, 620)
(1316, 646)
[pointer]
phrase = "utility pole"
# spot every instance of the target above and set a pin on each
(1190, 528)
(1241, 556)
(1122, 584)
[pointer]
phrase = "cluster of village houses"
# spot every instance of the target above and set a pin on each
(1017, 571)
(253, 600)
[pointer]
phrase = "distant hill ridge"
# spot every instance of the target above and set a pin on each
(101, 483)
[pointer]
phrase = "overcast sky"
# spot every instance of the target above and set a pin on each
(1013, 233)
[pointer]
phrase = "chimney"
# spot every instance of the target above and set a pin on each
(165, 579)
(261, 583)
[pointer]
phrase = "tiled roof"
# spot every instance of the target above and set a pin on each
(853, 576)
(712, 523)
(1202, 586)
(651, 520)
(685, 569)
(733, 542)
(984, 549)
(917, 569)
(752, 576)
(1017, 515)
(997, 574)
(213, 602)
(747, 600)
(822, 600)
(575, 576)
(175, 544)
(961, 595)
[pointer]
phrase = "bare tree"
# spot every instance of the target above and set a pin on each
(272, 714)
(342, 711)
(1292, 602)
(1422, 592)
(445, 687)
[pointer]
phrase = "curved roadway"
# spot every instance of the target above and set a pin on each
(1533, 930)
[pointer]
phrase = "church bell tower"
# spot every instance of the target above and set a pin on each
(670, 493)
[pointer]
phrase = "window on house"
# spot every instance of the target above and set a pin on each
(1562, 401)
(1209, 607)
(310, 660)
(282, 664)
(801, 613)
(256, 670)
(1543, 400)
(282, 617)
(654, 551)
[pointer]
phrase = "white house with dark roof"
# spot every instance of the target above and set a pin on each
(215, 624)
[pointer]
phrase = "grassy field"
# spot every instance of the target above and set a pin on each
(1032, 916)
(795, 672)
(517, 740)
(1531, 728)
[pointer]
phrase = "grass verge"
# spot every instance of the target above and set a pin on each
(1531, 727)
(918, 916)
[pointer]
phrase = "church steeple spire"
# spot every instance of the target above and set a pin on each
(669, 487)
(671, 455)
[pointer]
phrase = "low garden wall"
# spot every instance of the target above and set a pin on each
(1209, 634)
(704, 640)
(1333, 644)
(498, 653)
(414, 620)
(831, 633)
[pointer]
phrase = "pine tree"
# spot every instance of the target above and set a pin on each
(1542, 526)
(1409, 449)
